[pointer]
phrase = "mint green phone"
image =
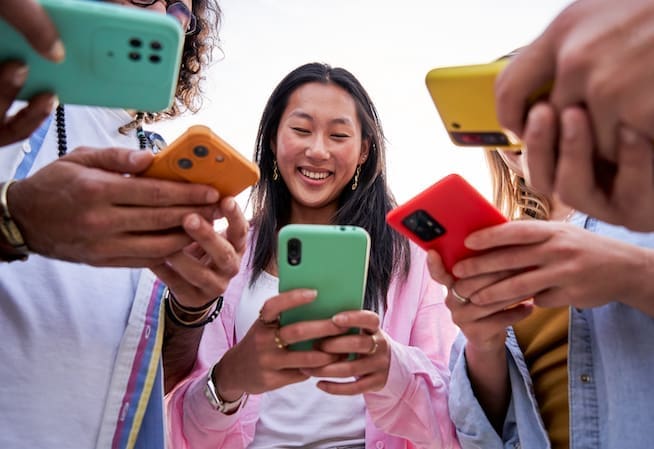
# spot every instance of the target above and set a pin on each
(116, 56)
(333, 260)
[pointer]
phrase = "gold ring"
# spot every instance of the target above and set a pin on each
(460, 298)
(375, 344)
(268, 323)
(281, 344)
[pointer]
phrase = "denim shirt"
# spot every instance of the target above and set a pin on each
(610, 365)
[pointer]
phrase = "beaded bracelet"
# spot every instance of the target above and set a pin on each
(201, 310)
(203, 320)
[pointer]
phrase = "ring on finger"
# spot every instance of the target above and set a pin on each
(281, 344)
(375, 344)
(268, 323)
(460, 298)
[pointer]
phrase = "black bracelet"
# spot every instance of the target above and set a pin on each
(192, 325)
(187, 309)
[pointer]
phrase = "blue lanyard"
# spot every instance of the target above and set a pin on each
(35, 142)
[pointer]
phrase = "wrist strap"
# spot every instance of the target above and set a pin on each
(204, 318)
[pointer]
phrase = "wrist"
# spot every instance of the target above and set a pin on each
(218, 399)
(639, 291)
(489, 348)
(225, 382)
(12, 242)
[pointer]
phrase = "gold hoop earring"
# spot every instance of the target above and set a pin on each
(275, 175)
(355, 184)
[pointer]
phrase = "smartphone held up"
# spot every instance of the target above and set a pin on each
(331, 259)
(116, 56)
(443, 215)
(201, 156)
(465, 99)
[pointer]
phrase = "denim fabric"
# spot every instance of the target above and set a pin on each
(610, 365)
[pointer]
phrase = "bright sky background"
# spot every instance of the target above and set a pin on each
(389, 46)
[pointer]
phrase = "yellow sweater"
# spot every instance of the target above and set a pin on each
(543, 338)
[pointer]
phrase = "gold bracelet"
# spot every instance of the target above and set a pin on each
(204, 319)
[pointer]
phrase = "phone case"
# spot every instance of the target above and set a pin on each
(443, 215)
(201, 156)
(465, 99)
(116, 56)
(329, 258)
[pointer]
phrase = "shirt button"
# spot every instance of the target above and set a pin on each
(27, 148)
(379, 445)
(585, 378)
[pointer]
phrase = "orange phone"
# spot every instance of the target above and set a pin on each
(443, 215)
(201, 156)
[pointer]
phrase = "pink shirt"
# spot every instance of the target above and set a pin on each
(411, 410)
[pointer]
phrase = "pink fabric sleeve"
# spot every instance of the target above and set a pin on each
(191, 422)
(413, 404)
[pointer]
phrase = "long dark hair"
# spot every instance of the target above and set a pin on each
(366, 206)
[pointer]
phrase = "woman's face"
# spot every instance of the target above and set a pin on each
(318, 147)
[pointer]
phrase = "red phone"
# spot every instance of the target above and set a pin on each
(443, 215)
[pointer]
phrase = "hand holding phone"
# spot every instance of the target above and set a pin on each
(115, 56)
(329, 258)
(201, 156)
(443, 215)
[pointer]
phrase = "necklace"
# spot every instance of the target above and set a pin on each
(62, 142)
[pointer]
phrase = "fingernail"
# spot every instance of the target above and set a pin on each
(212, 196)
(57, 52)
(339, 320)
(457, 271)
(193, 222)
(53, 102)
(569, 130)
(134, 156)
(310, 294)
(20, 75)
(628, 135)
(230, 204)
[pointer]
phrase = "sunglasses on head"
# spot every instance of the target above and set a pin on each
(176, 9)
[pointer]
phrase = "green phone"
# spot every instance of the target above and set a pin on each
(333, 260)
(115, 56)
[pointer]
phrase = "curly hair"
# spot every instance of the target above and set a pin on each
(196, 57)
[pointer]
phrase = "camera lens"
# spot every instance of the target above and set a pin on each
(184, 163)
(201, 151)
(495, 139)
(294, 251)
(423, 225)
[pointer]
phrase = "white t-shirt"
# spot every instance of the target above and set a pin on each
(298, 415)
(60, 323)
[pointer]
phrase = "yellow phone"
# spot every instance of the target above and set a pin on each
(465, 99)
(199, 155)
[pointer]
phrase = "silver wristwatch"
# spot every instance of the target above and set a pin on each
(218, 403)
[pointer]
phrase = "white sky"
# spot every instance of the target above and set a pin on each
(389, 46)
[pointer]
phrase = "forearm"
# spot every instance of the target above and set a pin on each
(180, 348)
(489, 376)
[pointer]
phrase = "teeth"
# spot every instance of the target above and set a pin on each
(314, 175)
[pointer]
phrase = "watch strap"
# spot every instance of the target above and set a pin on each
(12, 243)
(216, 401)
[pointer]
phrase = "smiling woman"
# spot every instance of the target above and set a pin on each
(321, 153)
(390, 47)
